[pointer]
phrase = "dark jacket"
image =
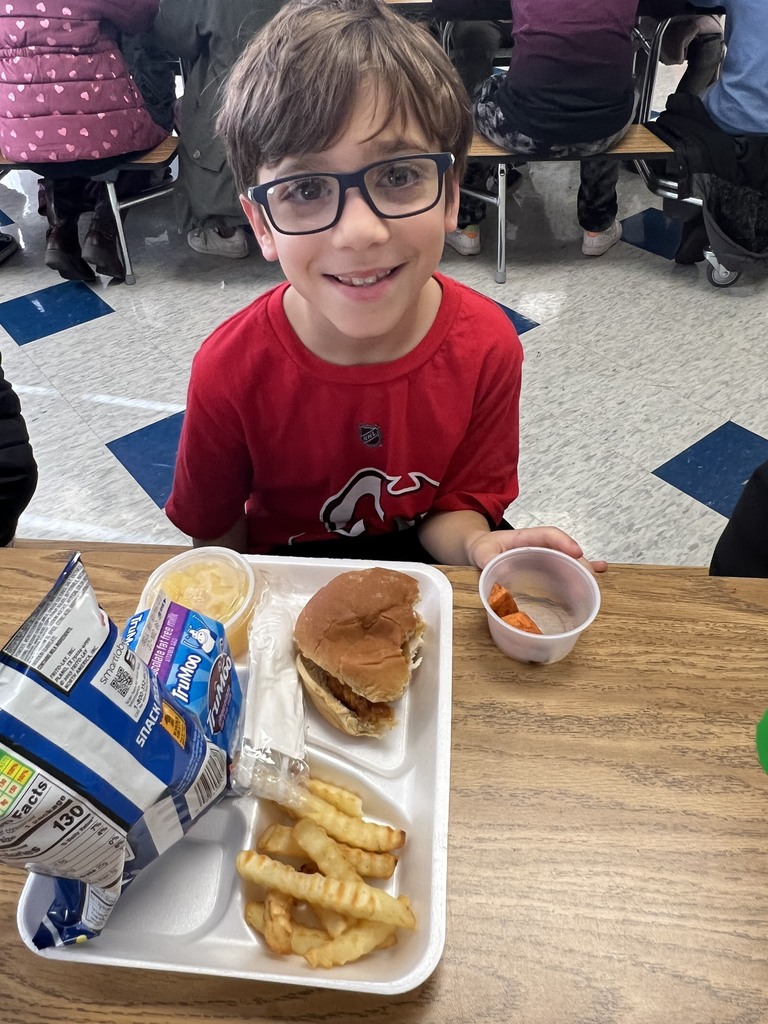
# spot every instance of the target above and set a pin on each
(742, 549)
(702, 147)
(18, 469)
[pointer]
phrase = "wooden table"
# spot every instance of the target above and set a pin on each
(608, 858)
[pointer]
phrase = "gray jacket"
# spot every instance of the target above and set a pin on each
(209, 36)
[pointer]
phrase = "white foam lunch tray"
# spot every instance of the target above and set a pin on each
(185, 912)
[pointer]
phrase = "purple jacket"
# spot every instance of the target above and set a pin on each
(65, 91)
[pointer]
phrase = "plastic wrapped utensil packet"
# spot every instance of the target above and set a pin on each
(271, 760)
(100, 769)
(189, 653)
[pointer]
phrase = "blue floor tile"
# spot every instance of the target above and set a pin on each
(654, 231)
(715, 469)
(149, 455)
(5, 219)
(521, 323)
(50, 310)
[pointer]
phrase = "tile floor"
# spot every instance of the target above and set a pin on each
(644, 408)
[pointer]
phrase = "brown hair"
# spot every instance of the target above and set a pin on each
(294, 88)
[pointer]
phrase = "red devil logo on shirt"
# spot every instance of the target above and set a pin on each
(359, 505)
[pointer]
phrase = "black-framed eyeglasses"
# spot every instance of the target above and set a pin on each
(303, 204)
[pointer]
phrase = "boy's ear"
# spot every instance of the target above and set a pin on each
(261, 228)
(451, 202)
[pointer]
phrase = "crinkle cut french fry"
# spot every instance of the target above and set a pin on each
(355, 942)
(302, 937)
(333, 922)
(366, 835)
(344, 799)
(278, 840)
(324, 851)
(368, 864)
(278, 924)
(353, 899)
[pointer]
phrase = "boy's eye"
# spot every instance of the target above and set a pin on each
(399, 175)
(303, 190)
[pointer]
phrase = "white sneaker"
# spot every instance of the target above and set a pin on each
(595, 243)
(209, 242)
(465, 240)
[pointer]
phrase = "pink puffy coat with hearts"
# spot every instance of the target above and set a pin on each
(65, 91)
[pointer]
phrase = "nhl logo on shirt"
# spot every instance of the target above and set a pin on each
(370, 435)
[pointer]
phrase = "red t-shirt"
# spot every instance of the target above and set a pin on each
(316, 451)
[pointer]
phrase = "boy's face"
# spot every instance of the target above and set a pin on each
(395, 258)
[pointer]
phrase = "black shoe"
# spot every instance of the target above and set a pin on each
(8, 246)
(62, 253)
(100, 250)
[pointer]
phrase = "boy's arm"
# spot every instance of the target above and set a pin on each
(450, 536)
(236, 538)
(464, 538)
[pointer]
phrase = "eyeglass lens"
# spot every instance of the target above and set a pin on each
(396, 188)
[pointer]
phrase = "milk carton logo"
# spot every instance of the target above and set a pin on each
(200, 637)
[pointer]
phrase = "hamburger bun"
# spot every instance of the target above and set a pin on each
(356, 639)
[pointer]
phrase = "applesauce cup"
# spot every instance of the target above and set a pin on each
(215, 581)
(556, 591)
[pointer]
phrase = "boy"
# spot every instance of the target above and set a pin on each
(367, 408)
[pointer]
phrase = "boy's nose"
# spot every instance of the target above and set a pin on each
(359, 225)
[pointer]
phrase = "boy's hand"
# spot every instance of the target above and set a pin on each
(484, 545)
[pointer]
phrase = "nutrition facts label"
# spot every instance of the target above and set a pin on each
(14, 775)
(45, 823)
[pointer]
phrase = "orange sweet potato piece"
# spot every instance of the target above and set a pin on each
(501, 601)
(522, 621)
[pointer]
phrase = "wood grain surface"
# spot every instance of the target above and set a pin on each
(608, 842)
(639, 141)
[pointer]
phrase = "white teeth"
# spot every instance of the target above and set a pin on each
(359, 282)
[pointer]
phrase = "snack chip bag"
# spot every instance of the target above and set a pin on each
(100, 769)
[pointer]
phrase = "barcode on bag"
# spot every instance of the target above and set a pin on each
(209, 783)
(121, 681)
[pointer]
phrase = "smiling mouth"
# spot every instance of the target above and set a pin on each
(363, 281)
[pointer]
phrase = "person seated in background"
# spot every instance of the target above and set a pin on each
(568, 93)
(737, 101)
(208, 37)
(742, 549)
(69, 108)
(347, 131)
(18, 469)
(725, 132)
(695, 40)
(474, 45)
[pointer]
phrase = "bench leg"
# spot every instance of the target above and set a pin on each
(645, 104)
(501, 238)
(130, 277)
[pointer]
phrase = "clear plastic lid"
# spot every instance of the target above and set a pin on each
(215, 581)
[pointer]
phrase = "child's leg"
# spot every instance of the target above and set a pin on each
(597, 204)
(704, 55)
